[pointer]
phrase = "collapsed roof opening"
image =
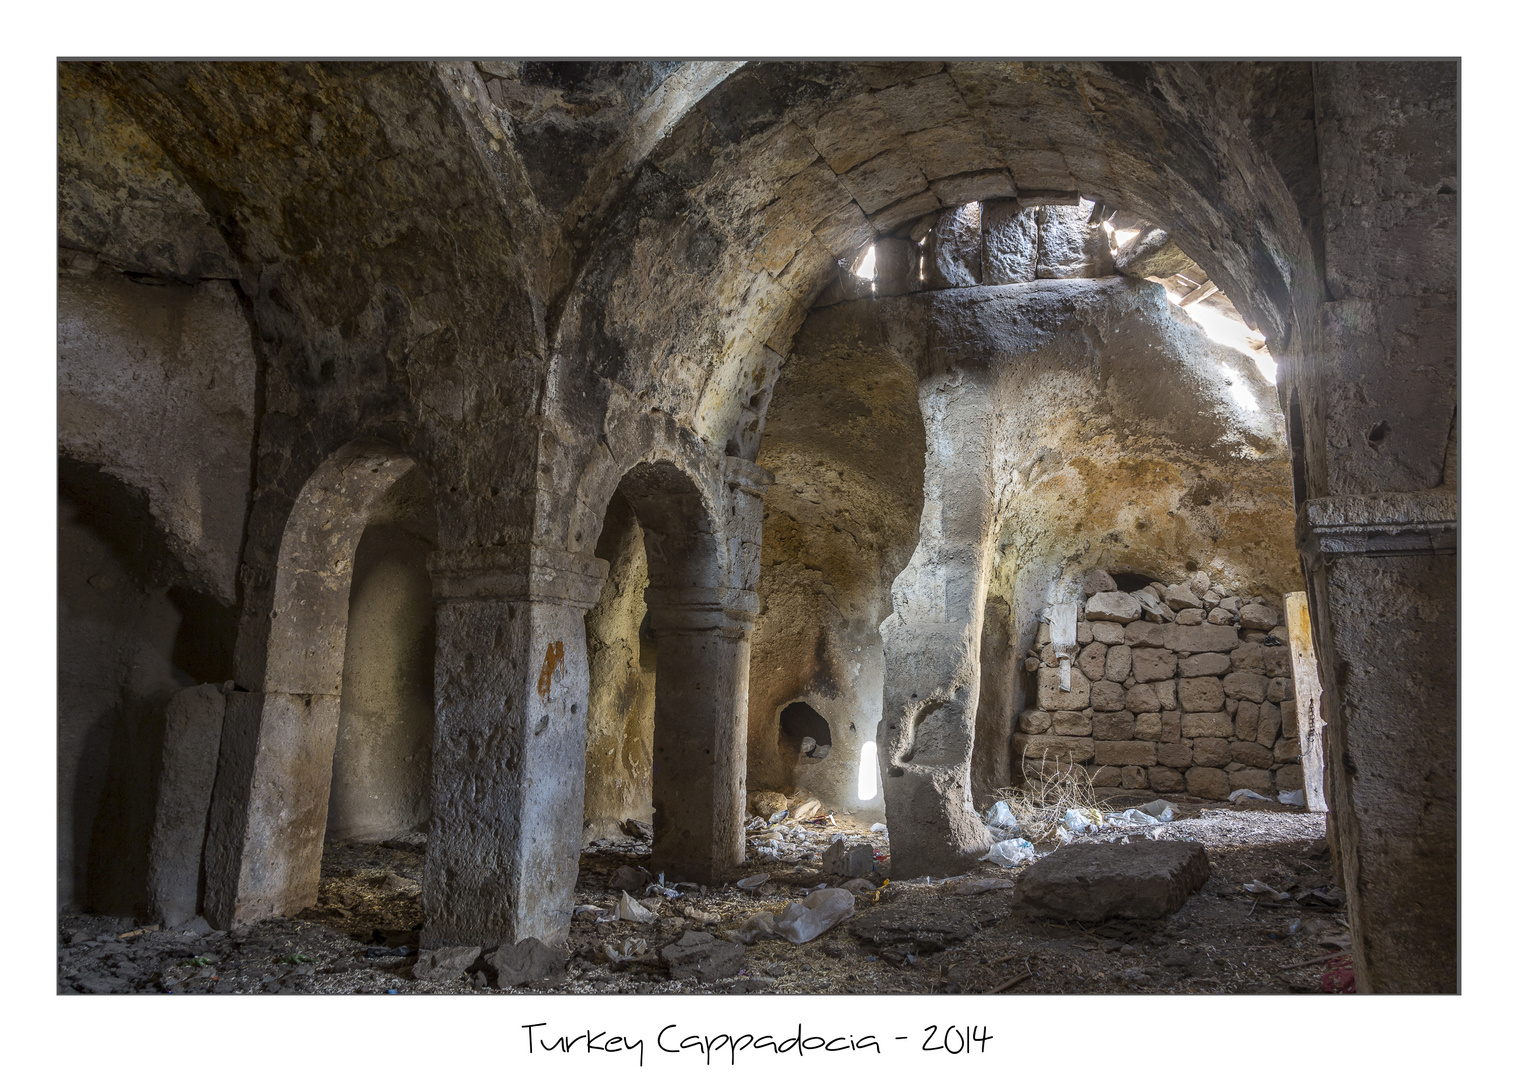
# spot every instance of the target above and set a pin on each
(1132, 581)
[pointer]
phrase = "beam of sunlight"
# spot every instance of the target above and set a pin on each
(866, 268)
(869, 772)
(1230, 332)
(1239, 391)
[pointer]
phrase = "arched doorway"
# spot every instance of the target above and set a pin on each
(269, 810)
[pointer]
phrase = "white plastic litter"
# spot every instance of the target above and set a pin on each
(632, 911)
(1293, 798)
(1259, 888)
(1000, 816)
(803, 920)
(1062, 834)
(754, 927)
(1132, 817)
(1245, 793)
(630, 948)
(879, 826)
(1159, 809)
(1078, 823)
(753, 882)
(1010, 852)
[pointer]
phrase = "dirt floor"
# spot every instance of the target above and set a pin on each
(1269, 920)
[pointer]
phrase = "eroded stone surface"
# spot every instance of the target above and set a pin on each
(1090, 883)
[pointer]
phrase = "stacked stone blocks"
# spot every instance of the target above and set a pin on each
(1172, 689)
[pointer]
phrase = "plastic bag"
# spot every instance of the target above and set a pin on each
(632, 911)
(1078, 823)
(1010, 852)
(1159, 809)
(1245, 793)
(1000, 816)
(1132, 817)
(1293, 798)
(803, 920)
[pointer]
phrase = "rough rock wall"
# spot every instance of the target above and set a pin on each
(844, 438)
(619, 717)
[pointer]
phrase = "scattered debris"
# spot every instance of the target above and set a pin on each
(445, 964)
(528, 961)
(844, 860)
(801, 921)
(752, 882)
(702, 957)
(632, 911)
(1012, 852)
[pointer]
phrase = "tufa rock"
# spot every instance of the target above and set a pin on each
(1099, 581)
(1118, 607)
(528, 961)
(702, 957)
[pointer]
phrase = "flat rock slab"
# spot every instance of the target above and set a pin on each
(896, 930)
(1146, 879)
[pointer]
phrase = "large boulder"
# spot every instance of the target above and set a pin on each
(1070, 246)
(1093, 882)
(1011, 244)
(528, 961)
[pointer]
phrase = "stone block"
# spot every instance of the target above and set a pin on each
(1287, 751)
(1108, 633)
(1219, 617)
(1166, 693)
(1147, 635)
(1051, 697)
(1107, 696)
(1277, 660)
(1093, 882)
(1180, 598)
(1201, 695)
(1206, 726)
(1288, 718)
(445, 964)
(1207, 783)
(1197, 639)
(1175, 755)
(1107, 776)
(1069, 722)
(1119, 663)
(1125, 753)
(1041, 636)
(1142, 697)
(1113, 726)
(1261, 781)
(1170, 726)
(1200, 665)
(1134, 778)
(191, 742)
(1093, 660)
(1098, 581)
(1034, 722)
(1069, 246)
(1189, 617)
(1270, 725)
(1258, 617)
(1289, 778)
(528, 961)
(1153, 665)
(1252, 754)
(1165, 779)
(952, 251)
(1011, 254)
(1155, 609)
(703, 957)
(1083, 634)
(1148, 726)
(1245, 685)
(1060, 749)
(1113, 607)
(1211, 753)
(1246, 722)
(1279, 690)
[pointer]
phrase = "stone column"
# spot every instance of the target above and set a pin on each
(932, 642)
(191, 743)
(700, 729)
(508, 759)
(1382, 571)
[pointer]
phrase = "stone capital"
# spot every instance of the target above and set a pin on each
(730, 612)
(518, 572)
(1381, 524)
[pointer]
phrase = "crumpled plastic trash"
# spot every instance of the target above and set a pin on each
(632, 911)
(1000, 816)
(753, 882)
(778, 816)
(1010, 852)
(633, 946)
(1293, 798)
(1132, 817)
(803, 920)
(754, 927)
(1245, 793)
(1159, 809)
(879, 826)
(1078, 823)
(1259, 888)
(1063, 835)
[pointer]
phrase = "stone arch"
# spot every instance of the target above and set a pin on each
(274, 776)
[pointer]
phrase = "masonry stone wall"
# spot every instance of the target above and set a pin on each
(1172, 689)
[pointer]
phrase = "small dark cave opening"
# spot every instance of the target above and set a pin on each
(800, 722)
(1129, 581)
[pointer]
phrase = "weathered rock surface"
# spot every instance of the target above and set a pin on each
(528, 961)
(1093, 882)
(1113, 607)
(702, 957)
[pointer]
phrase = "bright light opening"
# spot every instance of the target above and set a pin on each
(866, 267)
(1239, 391)
(1122, 236)
(1232, 333)
(869, 772)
